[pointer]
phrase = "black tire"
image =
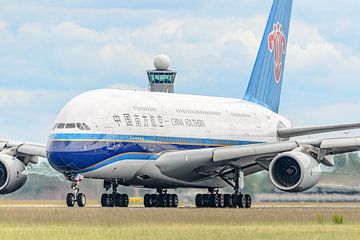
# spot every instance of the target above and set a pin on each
(214, 200)
(81, 199)
(125, 198)
(111, 200)
(199, 201)
(70, 200)
(147, 200)
(247, 201)
(175, 200)
(241, 201)
(234, 201)
(170, 201)
(164, 200)
(227, 201)
(118, 200)
(154, 200)
(105, 200)
(221, 201)
(206, 200)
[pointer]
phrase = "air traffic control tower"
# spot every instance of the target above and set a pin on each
(161, 79)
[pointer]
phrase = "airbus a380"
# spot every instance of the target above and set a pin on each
(168, 141)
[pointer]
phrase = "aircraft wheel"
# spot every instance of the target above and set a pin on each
(199, 201)
(111, 200)
(70, 200)
(163, 200)
(118, 200)
(206, 200)
(247, 201)
(81, 200)
(175, 200)
(227, 200)
(171, 200)
(234, 201)
(241, 201)
(125, 198)
(221, 200)
(105, 200)
(147, 200)
(154, 201)
(214, 200)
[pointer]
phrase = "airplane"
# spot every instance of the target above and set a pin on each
(168, 141)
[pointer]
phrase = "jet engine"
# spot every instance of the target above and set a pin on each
(294, 171)
(13, 174)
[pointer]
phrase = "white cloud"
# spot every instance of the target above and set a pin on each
(84, 48)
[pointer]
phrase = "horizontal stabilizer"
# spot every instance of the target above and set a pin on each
(301, 131)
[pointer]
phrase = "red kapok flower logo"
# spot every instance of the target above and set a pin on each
(277, 44)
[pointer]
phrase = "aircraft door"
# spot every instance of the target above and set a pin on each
(257, 120)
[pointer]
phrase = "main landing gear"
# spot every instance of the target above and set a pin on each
(162, 199)
(114, 199)
(76, 197)
(215, 200)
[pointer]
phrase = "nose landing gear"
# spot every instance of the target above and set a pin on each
(76, 197)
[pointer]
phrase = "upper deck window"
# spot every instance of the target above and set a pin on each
(60, 125)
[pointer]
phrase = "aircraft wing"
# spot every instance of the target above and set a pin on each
(204, 163)
(301, 131)
(26, 152)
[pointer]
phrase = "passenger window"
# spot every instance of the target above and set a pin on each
(86, 126)
(70, 125)
(61, 125)
(80, 126)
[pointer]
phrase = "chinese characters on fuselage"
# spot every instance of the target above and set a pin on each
(144, 120)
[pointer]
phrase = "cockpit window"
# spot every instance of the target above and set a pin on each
(80, 126)
(86, 126)
(70, 125)
(60, 125)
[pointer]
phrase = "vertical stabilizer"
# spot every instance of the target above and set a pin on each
(264, 87)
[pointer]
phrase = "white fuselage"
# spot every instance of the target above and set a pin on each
(129, 129)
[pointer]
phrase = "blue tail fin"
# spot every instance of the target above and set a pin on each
(264, 87)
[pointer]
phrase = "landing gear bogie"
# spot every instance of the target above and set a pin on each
(162, 199)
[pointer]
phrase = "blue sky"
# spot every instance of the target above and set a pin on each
(50, 51)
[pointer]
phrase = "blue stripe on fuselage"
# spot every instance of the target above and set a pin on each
(74, 152)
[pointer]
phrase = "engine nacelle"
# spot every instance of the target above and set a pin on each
(294, 171)
(13, 174)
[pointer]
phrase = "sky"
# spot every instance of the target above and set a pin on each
(50, 51)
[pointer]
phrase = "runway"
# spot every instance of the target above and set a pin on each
(22, 219)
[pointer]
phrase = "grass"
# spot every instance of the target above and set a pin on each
(53, 223)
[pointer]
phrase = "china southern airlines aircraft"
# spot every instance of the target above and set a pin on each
(168, 141)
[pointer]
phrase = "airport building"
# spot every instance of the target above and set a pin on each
(161, 79)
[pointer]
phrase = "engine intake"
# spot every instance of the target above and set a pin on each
(294, 171)
(13, 174)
